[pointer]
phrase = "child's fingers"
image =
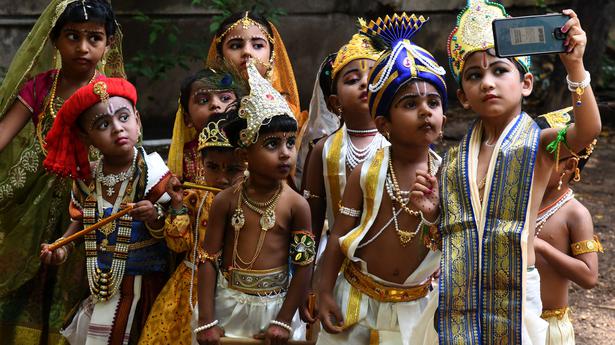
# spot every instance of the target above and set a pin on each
(423, 189)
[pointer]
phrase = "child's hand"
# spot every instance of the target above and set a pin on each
(275, 335)
(424, 195)
(175, 191)
(210, 336)
(328, 313)
(56, 257)
(309, 309)
(144, 211)
(576, 39)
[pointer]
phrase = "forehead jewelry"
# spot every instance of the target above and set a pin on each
(100, 89)
(85, 12)
(245, 23)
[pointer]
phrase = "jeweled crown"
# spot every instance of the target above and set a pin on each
(260, 106)
(213, 136)
(359, 47)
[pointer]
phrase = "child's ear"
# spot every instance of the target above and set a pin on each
(334, 102)
(571, 165)
(527, 84)
(443, 121)
(241, 154)
(382, 124)
(461, 96)
(83, 136)
(138, 115)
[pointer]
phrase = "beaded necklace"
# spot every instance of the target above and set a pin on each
(355, 156)
(111, 180)
(267, 221)
(550, 210)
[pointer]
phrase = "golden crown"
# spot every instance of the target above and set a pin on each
(213, 136)
(260, 106)
(359, 47)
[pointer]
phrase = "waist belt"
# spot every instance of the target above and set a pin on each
(558, 313)
(131, 246)
(258, 282)
(384, 293)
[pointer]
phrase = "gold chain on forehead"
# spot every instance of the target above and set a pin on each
(245, 22)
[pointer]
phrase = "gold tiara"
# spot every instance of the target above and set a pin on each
(213, 136)
(245, 23)
(260, 106)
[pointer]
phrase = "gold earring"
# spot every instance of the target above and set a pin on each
(559, 185)
(57, 63)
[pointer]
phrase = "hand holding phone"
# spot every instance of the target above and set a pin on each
(530, 35)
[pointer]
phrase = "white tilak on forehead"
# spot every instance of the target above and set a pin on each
(418, 91)
(111, 109)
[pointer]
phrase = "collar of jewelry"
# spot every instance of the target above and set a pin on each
(245, 23)
(111, 180)
(260, 106)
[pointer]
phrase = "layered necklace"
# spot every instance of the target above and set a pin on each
(550, 210)
(111, 180)
(105, 284)
(402, 198)
(355, 155)
(267, 221)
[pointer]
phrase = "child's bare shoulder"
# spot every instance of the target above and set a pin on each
(576, 213)
(224, 199)
(293, 199)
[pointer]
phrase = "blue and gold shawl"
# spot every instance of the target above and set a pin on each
(484, 245)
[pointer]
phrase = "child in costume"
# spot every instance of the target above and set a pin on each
(210, 91)
(170, 318)
(125, 259)
(261, 228)
(72, 43)
(322, 121)
(248, 35)
(334, 158)
(493, 181)
(384, 238)
(566, 247)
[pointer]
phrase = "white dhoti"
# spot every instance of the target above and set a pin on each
(243, 315)
(534, 327)
(560, 331)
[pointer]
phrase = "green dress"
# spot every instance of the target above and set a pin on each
(35, 298)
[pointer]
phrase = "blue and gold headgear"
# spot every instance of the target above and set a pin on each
(401, 62)
(474, 33)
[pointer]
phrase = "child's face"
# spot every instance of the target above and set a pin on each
(273, 155)
(204, 103)
(81, 45)
(221, 168)
(491, 86)
(241, 44)
(416, 114)
(351, 84)
(111, 127)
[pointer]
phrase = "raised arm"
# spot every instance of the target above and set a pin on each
(587, 124)
(333, 258)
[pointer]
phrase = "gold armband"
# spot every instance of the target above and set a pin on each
(587, 246)
(302, 248)
(205, 256)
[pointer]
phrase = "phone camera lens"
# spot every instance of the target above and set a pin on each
(559, 35)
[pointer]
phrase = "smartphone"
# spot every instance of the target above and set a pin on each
(530, 35)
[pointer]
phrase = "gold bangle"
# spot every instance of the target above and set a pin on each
(205, 256)
(587, 246)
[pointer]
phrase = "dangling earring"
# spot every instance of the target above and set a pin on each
(269, 74)
(559, 185)
(441, 135)
(246, 173)
(57, 62)
(103, 63)
(340, 111)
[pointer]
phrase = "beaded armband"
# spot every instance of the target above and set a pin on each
(587, 246)
(350, 212)
(302, 248)
(205, 256)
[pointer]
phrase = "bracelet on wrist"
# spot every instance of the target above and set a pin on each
(175, 212)
(283, 325)
(206, 326)
(579, 87)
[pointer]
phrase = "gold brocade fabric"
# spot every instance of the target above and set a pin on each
(169, 319)
(380, 292)
(258, 282)
(558, 313)
(182, 134)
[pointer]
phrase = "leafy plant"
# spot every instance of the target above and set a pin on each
(228, 7)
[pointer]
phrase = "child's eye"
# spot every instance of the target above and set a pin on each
(226, 98)
(235, 46)
(434, 103)
(102, 125)
(410, 104)
(95, 38)
(202, 100)
(290, 142)
(258, 46)
(124, 117)
(271, 144)
(500, 70)
(473, 76)
(351, 81)
(72, 36)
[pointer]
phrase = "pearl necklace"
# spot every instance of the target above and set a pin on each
(355, 156)
(111, 180)
(546, 214)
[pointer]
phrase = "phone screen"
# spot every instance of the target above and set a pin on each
(529, 35)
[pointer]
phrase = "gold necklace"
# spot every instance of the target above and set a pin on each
(51, 108)
(267, 221)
